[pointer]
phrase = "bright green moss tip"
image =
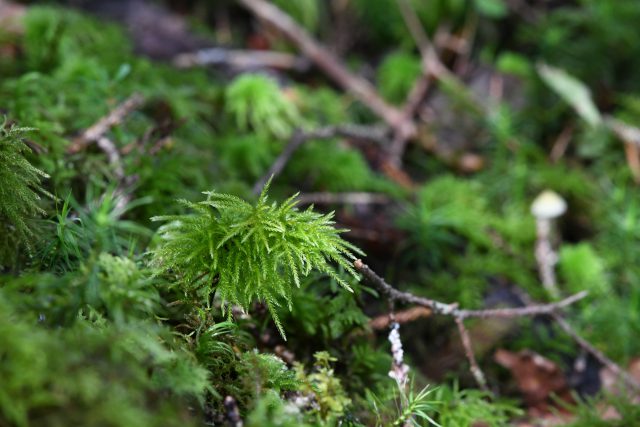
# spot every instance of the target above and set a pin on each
(245, 253)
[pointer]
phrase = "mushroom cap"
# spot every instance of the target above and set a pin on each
(548, 205)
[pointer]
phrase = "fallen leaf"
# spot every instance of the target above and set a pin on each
(538, 378)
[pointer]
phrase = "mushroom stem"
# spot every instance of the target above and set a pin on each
(546, 208)
(546, 256)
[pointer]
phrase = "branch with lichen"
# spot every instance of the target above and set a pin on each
(399, 370)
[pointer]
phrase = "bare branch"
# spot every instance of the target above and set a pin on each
(113, 155)
(414, 25)
(357, 198)
(452, 309)
(432, 68)
(420, 86)
(459, 315)
(406, 297)
(627, 133)
(242, 59)
(530, 310)
(96, 134)
(561, 143)
(613, 367)
(431, 63)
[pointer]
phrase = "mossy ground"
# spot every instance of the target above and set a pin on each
(93, 333)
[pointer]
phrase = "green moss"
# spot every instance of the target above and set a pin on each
(256, 102)
(20, 193)
(244, 252)
(397, 74)
(93, 375)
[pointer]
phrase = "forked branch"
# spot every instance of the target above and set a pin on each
(460, 315)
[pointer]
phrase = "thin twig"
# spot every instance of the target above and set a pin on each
(420, 86)
(299, 137)
(406, 297)
(412, 21)
(561, 143)
(630, 136)
(530, 310)
(624, 131)
(355, 198)
(96, 134)
(464, 45)
(242, 59)
(610, 364)
(325, 60)
(431, 63)
(113, 155)
(459, 315)
(432, 68)
(452, 309)
(120, 193)
(102, 126)
(477, 373)
(278, 165)
(417, 95)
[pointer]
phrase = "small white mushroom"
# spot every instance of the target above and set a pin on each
(548, 206)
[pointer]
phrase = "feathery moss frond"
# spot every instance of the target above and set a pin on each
(19, 191)
(245, 252)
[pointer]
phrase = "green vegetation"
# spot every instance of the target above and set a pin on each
(128, 300)
(20, 193)
(244, 252)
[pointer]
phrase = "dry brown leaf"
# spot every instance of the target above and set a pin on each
(610, 382)
(633, 160)
(634, 368)
(538, 378)
(397, 175)
(11, 17)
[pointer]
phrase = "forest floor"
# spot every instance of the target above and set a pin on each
(414, 213)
